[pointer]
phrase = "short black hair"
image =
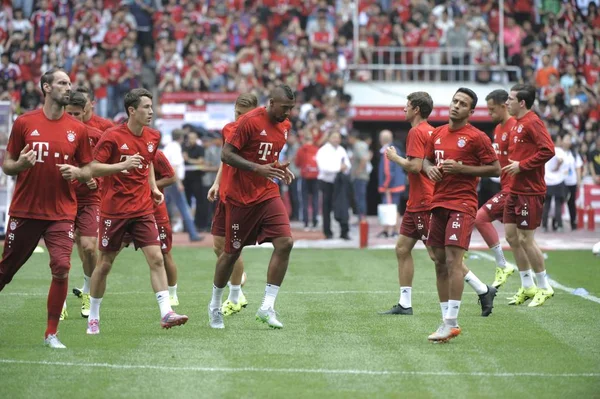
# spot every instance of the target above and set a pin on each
(422, 100)
(48, 77)
(498, 96)
(525, 93)
(285, 90)
(85, 90)
(77, 99)
(469, 93)
(134, 97)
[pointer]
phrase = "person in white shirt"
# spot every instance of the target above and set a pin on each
(175, 192)
(332, 159)
(572, 166)
(555, 183)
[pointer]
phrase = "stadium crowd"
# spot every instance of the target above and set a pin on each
(251, 46)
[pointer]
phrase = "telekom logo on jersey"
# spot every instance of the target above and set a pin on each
(439, 157)
(264, 150)
(41, 150)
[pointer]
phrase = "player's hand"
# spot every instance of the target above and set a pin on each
(391, 153)
(26, 157)
(92, 184)
(451, 166)
(270, 171)
(157, 196)
(133, 162)
(213, 193)
(512, 168)
(69, 172)
(435, 174)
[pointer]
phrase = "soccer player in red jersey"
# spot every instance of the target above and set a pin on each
(125, 155)
(530, 147)
(43, 151)
(164, 176)
(254, 211)
(89, 117)
(88, 211)
(94, 121)
(415, 223)
(236, 300)
(494, 208)
(456, 155)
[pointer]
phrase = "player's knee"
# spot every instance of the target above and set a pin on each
(402, 251)
(284, 244)
(513, 240)
(440, 269)
(103, 267)
(88, 246)
(60, 270)
(217, 249)
(156, 262)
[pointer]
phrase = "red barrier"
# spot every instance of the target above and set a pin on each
(591, 216)
(364, 233)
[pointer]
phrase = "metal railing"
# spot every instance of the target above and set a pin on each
(442, 64)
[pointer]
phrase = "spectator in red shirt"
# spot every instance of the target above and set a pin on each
(306, 161)
(592, 70)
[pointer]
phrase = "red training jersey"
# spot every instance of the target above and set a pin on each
(226, 170)
(126, 194)
(421, 188)
(501, 141)
(85, 196)
(260, 141)
(531, 145)
(469, 146)
(99, 123)
(162, 170)
(40, 191)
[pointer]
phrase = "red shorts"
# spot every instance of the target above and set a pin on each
(450, 228)
(217, 228)
(143, 232)
(23, 235)
(416, 225)
(524, 210)
(258, 223)
(165, 233)
(495, 205)
(87, 220)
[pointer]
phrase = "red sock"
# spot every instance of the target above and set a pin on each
(483, 222)
(56, 299)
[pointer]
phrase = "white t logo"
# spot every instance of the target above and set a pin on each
(439, 157)
(264, 150)
(40, 149)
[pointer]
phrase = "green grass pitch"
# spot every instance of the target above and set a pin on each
(333, 345)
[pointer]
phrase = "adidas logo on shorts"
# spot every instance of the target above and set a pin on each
(524, 223)
(453, 237)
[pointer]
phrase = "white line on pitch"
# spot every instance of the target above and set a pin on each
(552, 282)
(296, 370)
(109, 293)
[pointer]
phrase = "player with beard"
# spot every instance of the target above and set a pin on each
(456, 156)
(415, 223)
(236, 300)
(45, 151)
(254, 211)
